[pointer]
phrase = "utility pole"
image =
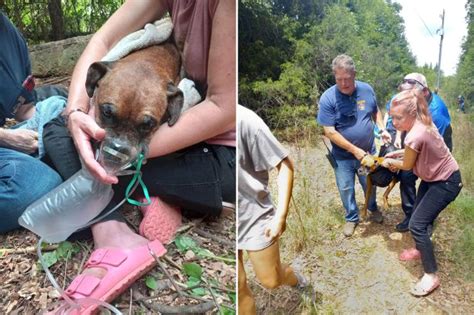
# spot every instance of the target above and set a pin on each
(441, 34)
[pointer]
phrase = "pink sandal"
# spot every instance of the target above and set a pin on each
(123, 267)
(160, 221)
(409, 254)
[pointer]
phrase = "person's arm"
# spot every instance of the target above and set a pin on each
(385, 119)
(407, 163)
(131, 16)
(23, 140)
(285, 188)
(216, 114)
(385, 135)
(337, 138)
(398, 140)
(25, 112)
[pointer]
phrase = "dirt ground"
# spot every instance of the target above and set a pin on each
(361, 274)
(26, 290)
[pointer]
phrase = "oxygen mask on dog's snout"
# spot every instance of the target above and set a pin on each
(115, 155)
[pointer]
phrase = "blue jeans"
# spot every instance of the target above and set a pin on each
(432, 198)
(23, 180)
(407, 191)
(345, 171)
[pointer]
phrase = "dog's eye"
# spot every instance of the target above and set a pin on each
(107, 110)
(148, 124)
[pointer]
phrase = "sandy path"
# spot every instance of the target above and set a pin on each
(357, 275)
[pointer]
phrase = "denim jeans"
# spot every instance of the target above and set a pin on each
(23, 180)
(345, 171)
(407, 191)
(432, 198)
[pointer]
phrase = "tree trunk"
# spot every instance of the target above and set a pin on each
(57, 21)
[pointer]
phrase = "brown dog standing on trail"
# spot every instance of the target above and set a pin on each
(133, 95)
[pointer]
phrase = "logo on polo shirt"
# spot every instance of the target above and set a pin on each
(361, 104)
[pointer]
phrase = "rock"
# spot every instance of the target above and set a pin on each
(57, 58)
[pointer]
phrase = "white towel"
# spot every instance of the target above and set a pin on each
(190, 94)
(153, 34)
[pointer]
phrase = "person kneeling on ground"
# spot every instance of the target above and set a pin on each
(428, 155)
(259, 224)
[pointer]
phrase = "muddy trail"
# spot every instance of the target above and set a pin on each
(360, 274)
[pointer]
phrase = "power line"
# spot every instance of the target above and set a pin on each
(426, 26)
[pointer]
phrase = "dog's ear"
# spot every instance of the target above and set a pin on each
(96, 71)
(175, 103)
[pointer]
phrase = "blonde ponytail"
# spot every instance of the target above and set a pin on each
(415, 105)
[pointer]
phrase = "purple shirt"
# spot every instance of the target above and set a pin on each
(434, 161)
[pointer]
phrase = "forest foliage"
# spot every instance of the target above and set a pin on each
(286, 48)
(49, 20)
(465, 72)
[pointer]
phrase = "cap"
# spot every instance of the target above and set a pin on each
(417, 77)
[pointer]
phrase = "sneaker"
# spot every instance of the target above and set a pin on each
(349, 228)
(403, 226)
(376, 216)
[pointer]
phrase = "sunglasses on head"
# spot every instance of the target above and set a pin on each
(413, 82)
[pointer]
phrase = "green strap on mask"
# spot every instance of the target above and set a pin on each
(138, 177)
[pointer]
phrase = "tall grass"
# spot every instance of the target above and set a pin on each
(463, 246)
(463, 143)
(295, 124)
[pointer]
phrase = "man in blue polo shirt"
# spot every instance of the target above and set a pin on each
(347, 112)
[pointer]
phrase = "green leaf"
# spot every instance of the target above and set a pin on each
(192, 270)
(198, 291)
(50, 258)
(151, 282)
(64, 249)
(232, 297)
(193, 281)
(227, 311)
(183, 243)
(203, 252)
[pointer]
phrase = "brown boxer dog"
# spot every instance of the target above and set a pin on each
(133, 95)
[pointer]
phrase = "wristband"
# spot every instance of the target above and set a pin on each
(74, 110)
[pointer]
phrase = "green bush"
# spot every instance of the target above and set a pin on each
(295, 124)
